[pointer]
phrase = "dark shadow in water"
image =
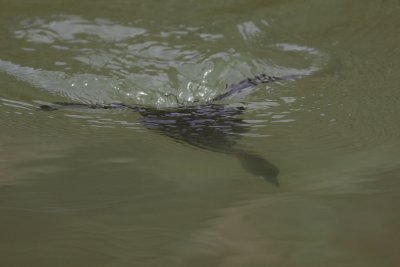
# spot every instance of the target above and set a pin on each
(212, 126)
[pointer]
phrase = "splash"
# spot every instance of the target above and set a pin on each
(100, 60)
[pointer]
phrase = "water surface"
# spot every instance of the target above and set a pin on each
(89, 187)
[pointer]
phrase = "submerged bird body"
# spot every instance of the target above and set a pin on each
(211, 126)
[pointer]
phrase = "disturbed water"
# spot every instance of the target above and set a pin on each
(186, 187)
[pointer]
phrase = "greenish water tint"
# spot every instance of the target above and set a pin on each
(90, 187)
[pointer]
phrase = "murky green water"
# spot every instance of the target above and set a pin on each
(91, 187)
